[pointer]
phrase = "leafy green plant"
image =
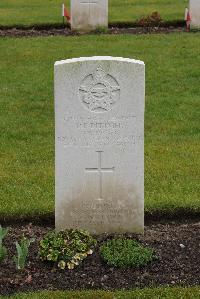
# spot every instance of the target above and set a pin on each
(126, 253)
(66, 248)
(22, 252)
(3, 250)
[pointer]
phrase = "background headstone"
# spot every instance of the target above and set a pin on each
(89, 14)
(99, 110)
(195, 13)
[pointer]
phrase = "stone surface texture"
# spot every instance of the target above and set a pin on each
(99, 113)
(195, 13)
(89, 14)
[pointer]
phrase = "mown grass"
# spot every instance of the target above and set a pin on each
(27, 12)
(154, 293)
(171, 121)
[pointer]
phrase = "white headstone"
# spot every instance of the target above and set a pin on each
(99, 110)
(195, 13)
(89, 14)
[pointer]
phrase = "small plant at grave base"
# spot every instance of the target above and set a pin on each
(151, 20)
(22, 252)
(101, 29)
(3, 250)
(126, 253)
(66, 248)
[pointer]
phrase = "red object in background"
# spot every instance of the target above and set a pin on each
(187, 18)
(65, 13)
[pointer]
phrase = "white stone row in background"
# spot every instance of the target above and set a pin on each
(194, 9)
(89, 14)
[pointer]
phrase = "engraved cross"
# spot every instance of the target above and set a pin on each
(100, 170)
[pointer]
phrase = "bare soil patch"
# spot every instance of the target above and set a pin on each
(176, 264)
(34, 32)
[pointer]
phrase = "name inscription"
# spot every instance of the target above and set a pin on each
(89, 131)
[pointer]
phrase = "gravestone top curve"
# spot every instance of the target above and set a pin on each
(96, 58)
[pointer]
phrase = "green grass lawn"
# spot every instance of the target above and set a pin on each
(26, 12)
(171, 121)
(154, 293)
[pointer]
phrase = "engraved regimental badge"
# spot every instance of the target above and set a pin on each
(99, 91)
